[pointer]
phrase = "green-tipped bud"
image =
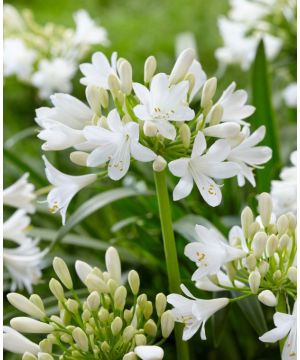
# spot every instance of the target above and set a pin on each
(149, 69)
(103, 315)
(113, 84)
(253, 229)
(128, 315)
(246, 220)
(79, 157)
(116, 325)
(65, 316)
(104, 98)
(272, 245)
(93, 301)
(292, 274)
(292, 221)
(267, 298)
(191, 79)
(46, 346)
(85, 316)
(284, 241)
(134, 281)
(208, 92)
(57, 289)
(265, 208)
(259, 243)
(185, 135)
(167, 324)
(215, 115)
(128, 333)
(148, 310)
(182, 65)
(277, 275)
(28, 356)
(251, 262)
(23, 304)
(160, 304)
(263, 268)
(125, 72)
(62, 271)
(140, 339)
(66, 338)
(130, 356)
(92, 94)
(150, 129)
(113, 264)
(150, 328)
(159, 164)
(52, 338)
(282, 224)
(44, 356)
(89, 329)
(81, 339)
(141, 300)
(94, 283)
(105, 347)
(254, 281)
(120, 297)
(37, 300)
(72, 306)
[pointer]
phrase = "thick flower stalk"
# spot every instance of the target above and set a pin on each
(113, 321)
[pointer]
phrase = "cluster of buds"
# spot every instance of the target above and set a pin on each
(109, 324)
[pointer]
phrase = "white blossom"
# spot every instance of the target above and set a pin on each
(16, 227)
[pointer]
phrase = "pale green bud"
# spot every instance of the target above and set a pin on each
(125, 73)
(23, 304)
(150, 129)
(28, 356)
(150, 328)
(103, 315)
(46, 346)
(130, 356)
(128, 333)
(92, 94)
(231, 271)
(185, 135)
(159, 164)
(113, 264)
(105, 347)
(66, 338)
(182, 65)
(215, 115)
(259, 243)
(56, 320)
(254, 281)
(265, 208)
(65, 316)
(292, 221)
(120, 297)
(191, 79)
(160, 304)
(282, 224)
(246, 220)
(140, 339)
(112, 285)
(208, 92)
(277, 275)
(134, 281)
(272, 229)
(104, 98)
(106, 276)
(267, 298)
(89, 329)
(56, 289)
(292, 274)
(149, 69)
(116, 325)
(200, 122)
(72, 305)
(167, 324)
(284, 241)
(253, 229)
(81, 339)
(37, 300)
(93, 301)
(52, 338)
(113, 84)
(44, 356)
(62, 271)
(148, 310)
(141, 300)
(263, 268)
(29, 325)
(79, 157)
(272, 245)
(85, 316)
(128, 314)
(251, 262)
(94, 283)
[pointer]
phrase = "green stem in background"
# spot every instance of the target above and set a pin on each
(170, 253)
(281, 307)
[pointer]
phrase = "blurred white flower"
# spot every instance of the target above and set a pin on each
(54, 75)
(17, 343)
(65, 188)
(193, 312)
(286, 326)
(12, 21)
(290, 95)
(163, 103)
(116, 145)
(210, 252)
(201, 168)
(20, 194)
(15, 228)
(149, 352)
(250, 11)
(18, 59)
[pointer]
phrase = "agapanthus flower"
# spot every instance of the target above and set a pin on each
(16, 227)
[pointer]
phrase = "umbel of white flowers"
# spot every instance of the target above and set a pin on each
(127, 121)
(258, 260)
(110, 323)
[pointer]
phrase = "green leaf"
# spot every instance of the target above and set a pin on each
(264, 115)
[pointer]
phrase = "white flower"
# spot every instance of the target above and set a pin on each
(65, 188)
(149, 352)
(87, 32)
(15, 228)
(53, 76)
(24, 264)
(207, 284)
(210, 252)
(98, 72)
(249, 11)
(62, 125)
(116, 144)
(18, 59)
(248, 156)
(193, 312)
(163, 103)
(20, 194)
(201, 168)
(15, 342)
(286, 325)
(290, 95)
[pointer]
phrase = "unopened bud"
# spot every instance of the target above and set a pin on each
(191, 79)
(57, 289)
(263, 268)
(251, 262)
(167, 324)
(128, 314)
(82, 270)
(85, 316)
(134, 281)
(46, 346)
(112, 285)
(37, 300)
(125, 72)
(130, 356)
(23, 304)
(149, 69)
(215, 115)
(103, 315)
(259, 243)
(265, 208)
(81, 339)
(267, 298)
(62, 271)
(94, 283)
(254, 281)
(182, 65)
(72, 305)
(292, 221)
(159, 164)
(272, 245)
(104, 98)
(128, 333)
(185, 135)
(120, 297)
(292, 274)
(150, 328)
(28, 356)
(79, 157)
(44, 356)
(208, 92)
(93, 301)
(150, 129)
(282, 224)
(148, 309)
(160, 304)
(284, 241)
(141, 300)
(253, 229)
(140, 339)
(277, 275)
(113, 84)
(116, 326)
(92, 94)
(105, 347)
(113, 264)
(29, 325)
(246, 220)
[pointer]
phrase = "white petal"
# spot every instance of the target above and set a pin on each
(199, 145)
(275, 334)
(183, 188)
(114, 121)
(141, 92)
(149, 352)
(209, 190)
(101, 155)
(179, 167)
(166, 129)
(17, 343)
(141, 153)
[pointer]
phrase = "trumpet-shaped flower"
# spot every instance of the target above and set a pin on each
(163, 103)
(65, 188)
(115, 145)
(201, 168)
(210, 252)
(15, 228)
(286, 326)
(20, 194)
(193, 312)
(248, 156)
(17, 343)
(62, 125)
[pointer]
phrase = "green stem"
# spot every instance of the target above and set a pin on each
(281, 307)
(170, 253)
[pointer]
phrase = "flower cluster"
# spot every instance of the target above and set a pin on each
(47, 56)
(23, 261)
(152, 122)
(258, 260)
(109, 324)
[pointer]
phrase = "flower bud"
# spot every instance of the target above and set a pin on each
(130, 356)
(208, 92)
(292, 274)
(85, 316)
(284, 241)
(185, 135)
(112, 285)
(259, 243)
(28, 325)
(104, 98)
(28, 356)
(272, 245)
(79, 158)
(140, 339)
(65, 316)
(159, 164)
(62, 271)
(128, 314)
(44, 356)
(267, 298)
(128, 333)
(46, 346)
(21, 303)
(263, 268)
(105, 347)
(167, 324)
(92, 94)
(141, 300)
(215, 115)
(292, 221)
(150, 129)
(72, 305)
(113, 84)
(116, 325)
(134, 281)
(125, 72)
(82, 269)
(282, 224)
(246, 220)
(66, 339)
(148, 310)
(251, 262)
(81, 339)
(37, 301)
(94, 283)
(150, 328)
(149, 69)
(253, 229)
(56, 289)
(182, 65)
(120, 297)
(191, 79)
(103, 315)
(113, 264)
(277, 275)
(265, 208)
(254, 281)
(93, 301)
